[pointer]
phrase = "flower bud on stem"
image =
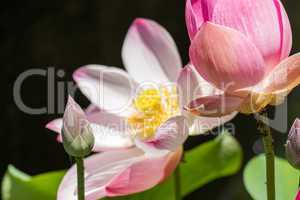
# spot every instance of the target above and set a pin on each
(78, 140)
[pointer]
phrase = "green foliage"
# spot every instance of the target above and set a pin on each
(17, 186)
(214, 159)
(286, 179)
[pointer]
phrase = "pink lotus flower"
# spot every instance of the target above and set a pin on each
(137, 114)
(241, 48)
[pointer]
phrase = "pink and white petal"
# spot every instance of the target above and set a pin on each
(95, 116)
(109, 138)
(192, 86)
(196, 13)
(110, 131)
(255, 19)
(226, 58)
(118, 173)
(188, 85)
(275, 87)
(55, 125)
(107, 119)
(145, 174)
(99, 170)
(169, 136)
(109, 88)
(91, 109)
(215, 105)
(202, 125)
(150, 54)
(283, 78)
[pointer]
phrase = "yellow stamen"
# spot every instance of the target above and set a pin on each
(153, 107)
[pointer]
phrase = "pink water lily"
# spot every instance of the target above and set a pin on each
(241, 48)
(137, 114)
(150, 57)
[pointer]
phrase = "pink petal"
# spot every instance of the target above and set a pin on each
(55, 125)
(169, 136)
(109, 130)
(196, 13)
(202, 125)
(188, 85)
(215, 106)
(75, 123)
(226, 58)
(107, 138)
(91, 109)
(108, 88)
(275, 87)
(149, 53)
(145, 174)
(283, 78)
(255, 18)
(286, 32)
(192, 86)
(118, 173)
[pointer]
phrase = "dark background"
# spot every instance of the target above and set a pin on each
(70, 33)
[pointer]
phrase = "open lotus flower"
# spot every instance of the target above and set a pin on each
(137, 114)
(152, 60)
(241, 47)
(120, 172)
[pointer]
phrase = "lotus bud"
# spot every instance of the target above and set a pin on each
(78, 139)
(293, 145)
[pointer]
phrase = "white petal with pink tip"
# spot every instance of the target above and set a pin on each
(150, 54)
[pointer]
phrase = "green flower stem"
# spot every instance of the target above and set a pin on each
(177, 189)
(80, 178)
(269, 154)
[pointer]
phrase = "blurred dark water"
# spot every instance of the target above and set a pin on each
(67, 34)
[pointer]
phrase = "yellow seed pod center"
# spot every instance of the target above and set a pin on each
(153, 107)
